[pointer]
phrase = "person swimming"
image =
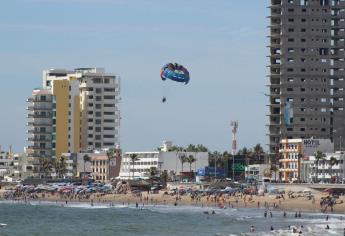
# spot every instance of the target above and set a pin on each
(327, 227)
(252, 228)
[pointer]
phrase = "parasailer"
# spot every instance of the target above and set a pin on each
(175, 72)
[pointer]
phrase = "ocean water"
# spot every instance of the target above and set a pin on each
(50, 219)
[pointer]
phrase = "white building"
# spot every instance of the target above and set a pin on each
(256, 171)
(325, 171)
(161, 161)
(75, 111)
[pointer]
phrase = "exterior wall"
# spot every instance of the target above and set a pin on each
(100, 167)
(141, 167)
(256, 172)
(162, 161)
(293, 152)
(40, 127)
(60, 90)
(100, 97)
(306, 79)
(325, 171)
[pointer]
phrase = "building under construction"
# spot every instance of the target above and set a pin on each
(307, 71)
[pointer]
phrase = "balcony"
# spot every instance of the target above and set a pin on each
(39, 116)
(39, 108)
(39, 140)
(39, 124)
(339, 5)
(38, 148)
(34, 100)
(38, 131)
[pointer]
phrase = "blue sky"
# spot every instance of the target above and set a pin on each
(222, 43)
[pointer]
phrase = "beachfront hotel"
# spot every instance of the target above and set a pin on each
(307, 76)
(295, 152)
(74, 111)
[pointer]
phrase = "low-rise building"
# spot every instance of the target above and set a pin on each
(329, 169)
(96, 165)
(139, 164)
(292, 152)
(256, 172)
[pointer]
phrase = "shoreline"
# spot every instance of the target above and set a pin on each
(254, 202)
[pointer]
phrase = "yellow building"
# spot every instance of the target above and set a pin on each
(76, 110)
(289, 162)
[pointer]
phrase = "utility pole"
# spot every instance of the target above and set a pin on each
(234, 125)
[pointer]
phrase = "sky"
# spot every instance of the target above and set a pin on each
(223, 44)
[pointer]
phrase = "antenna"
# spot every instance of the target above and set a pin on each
(234, 125)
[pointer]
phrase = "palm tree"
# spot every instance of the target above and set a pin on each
(86, 158)
(60, 166)
(190, 159)
(332, 162)
(110, 155)
(274, 169)
(134, 158)
(318, 156)
(183, 159)
(46, 165)
(258, 150)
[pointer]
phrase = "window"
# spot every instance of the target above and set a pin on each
(291, 30)
(291, 20)
(98, 90)
(98, 129)
(109, 97)
(109, 89)
(97, 80)
(109, 105)
(109, 128)
(291, 40)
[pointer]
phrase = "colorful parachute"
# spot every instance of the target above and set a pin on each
(175, 72)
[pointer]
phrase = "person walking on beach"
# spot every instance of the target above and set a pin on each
(284, 214)
(265, 214)
(327, 218)
(299, 214)
(271, 214)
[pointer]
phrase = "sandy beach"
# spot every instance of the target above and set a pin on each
(297, 204)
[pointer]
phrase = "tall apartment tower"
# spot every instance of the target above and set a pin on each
(307, 53)
(75, 111)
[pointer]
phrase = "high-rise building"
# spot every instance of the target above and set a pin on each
(75, 111)
(307, 53)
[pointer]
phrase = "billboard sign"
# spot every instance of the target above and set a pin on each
(311, 146)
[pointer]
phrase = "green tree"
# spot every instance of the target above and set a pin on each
(110, 156)
(274, 169)
(153, 171)
(190, 159)
(201, 148)
(183, 159)
(86, 158)
(332, 162)
(46, 166)
(134, 158)
(61, 166)
(318, 157)
(258, 151)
